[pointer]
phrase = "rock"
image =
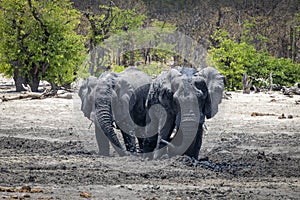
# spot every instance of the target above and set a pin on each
(282, 116)
(26, 188)
(26, 196)
(85, 195)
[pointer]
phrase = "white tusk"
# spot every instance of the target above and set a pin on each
(204, 128)
(173, 133)
(90, 124)
(168, 143)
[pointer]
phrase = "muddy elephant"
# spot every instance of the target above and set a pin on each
(87, 96)
(185, 98)
(120, 98)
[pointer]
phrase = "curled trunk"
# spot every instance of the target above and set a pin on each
(104, 116)
(186, 135)
(188, 118)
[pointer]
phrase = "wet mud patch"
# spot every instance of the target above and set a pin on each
(14, 145)
(47, 144)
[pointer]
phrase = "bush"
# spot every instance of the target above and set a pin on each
(232, 59)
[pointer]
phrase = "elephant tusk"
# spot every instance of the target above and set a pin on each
(114, 125)
(173, 133)
(90, 125)
(204, 128)
(168, 143)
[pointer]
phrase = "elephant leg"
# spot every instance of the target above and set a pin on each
(129, 141)
(141, 145)
(150, 137)
(194, 149)
(166, 131)
(102, 141)
(149, 143)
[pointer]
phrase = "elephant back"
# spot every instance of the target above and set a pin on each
(135, 77)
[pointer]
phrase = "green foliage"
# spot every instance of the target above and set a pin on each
(83, 72)
(125, 42)
(40, 37)
(162, 50)
(153, 69)
(117, 68)
(250, 36)
(284, 70)
(233, 59)
(112, 20)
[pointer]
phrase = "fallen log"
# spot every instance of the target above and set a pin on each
(23, 96)
(35, 95)
(292, 90)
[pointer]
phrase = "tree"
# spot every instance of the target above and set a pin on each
(39, 42)
(111, 20)
(115, 38)
(234, 59)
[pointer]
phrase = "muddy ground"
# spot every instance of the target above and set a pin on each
(48, 146)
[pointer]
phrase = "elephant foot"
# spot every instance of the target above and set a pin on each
(103, 153)
(131, 149)
(160, 154)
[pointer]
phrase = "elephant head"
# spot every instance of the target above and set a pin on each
(187, 97)
(118, 97)
(87, 96)
(87, 93)
(184, 97)
(192, 103)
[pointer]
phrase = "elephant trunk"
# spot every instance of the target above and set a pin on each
(186, 133)
(104, 117)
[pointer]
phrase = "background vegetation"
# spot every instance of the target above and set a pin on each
(256, 37)
(38, 41)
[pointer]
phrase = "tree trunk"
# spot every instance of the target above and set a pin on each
(246, 84)
(93, 60)
(176, 60)
(19, 80)
(131, 58)
(32, 80)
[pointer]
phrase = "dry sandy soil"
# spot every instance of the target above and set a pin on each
(48, 146)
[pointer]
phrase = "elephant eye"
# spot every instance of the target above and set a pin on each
(200, 85)
(166, 94)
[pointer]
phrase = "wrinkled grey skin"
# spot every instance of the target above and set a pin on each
(87, 96)
(215, 82)
(119, 98)
(187, 98)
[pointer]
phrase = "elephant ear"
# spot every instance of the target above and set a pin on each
(203, 95)
(123, 94)
(87, 96)
(208, 112)
(154, 90)
(215, 84)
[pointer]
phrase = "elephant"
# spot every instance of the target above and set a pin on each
(120, 98)
(87, 96)
(185, 97)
